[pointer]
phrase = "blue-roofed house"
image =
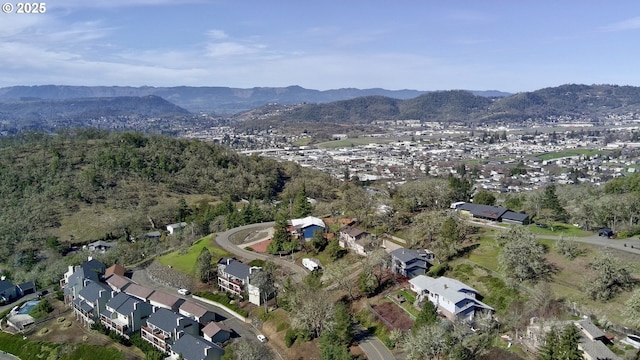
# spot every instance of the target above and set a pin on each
(125, 314)
(91, 301)
(307, 226)
(163, 326)
(411, 263)
(73, 280)
(452, 298)
(195, 348)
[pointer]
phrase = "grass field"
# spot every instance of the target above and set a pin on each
(26, 349)
(354, 142)
(568, 152)
(560, 229)
(185, 262)
(482, 265)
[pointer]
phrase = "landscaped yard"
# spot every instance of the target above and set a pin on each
(567, 152)
(560, 229)
(184, 262)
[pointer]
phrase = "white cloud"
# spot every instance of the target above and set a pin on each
(624, 25)
(217, 34)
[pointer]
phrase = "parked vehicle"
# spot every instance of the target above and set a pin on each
(262, 338)
(183, 292)
(605, 232)
(632, 340)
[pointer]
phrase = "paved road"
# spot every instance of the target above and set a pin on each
(222, 239)
(630, 245)
(372, 346)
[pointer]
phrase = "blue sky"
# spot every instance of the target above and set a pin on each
(518, 45)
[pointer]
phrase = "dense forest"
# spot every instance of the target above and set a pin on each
(84, 185)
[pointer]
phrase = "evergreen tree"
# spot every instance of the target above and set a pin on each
(203, 265)
(301, 206)
(550, 201)
(427, 316)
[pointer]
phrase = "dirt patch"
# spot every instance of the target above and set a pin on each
(393, 316)
(261, 247)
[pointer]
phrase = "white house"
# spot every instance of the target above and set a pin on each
(451, 297)
(172, 228)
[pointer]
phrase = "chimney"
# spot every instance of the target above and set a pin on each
(445, 286)
(254, 268)
(135, 305)
(89, 258)
(2, 278)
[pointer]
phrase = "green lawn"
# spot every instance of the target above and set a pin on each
(185, 262)
(26, 349)
(560, 229)
(354, 142)
(568, 152)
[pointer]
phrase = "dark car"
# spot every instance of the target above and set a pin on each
(605, 232)
(43, 293)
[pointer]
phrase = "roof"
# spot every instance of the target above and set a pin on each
(91, 291)
(126, 304)
(307, 221)
(115, 269)
(167, 320)
(512, 215)
(596, 350)
(408, 255)
(118, 282)
(213, 328)
(448, 288)
(485, 211)
(93, 265)
(587, 327)
(194, 347)
(29, 285)
(193, 309)
(164, 299)
(177, 225)
(237, 269)
(353, 231)
(138, 291)
(6, 284)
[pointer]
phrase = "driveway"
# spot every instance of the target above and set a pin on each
(222, 239)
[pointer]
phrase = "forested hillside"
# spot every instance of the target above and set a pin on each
(85, 185)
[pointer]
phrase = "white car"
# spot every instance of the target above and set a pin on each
(183, 292)
(262, 338)
(632, 340)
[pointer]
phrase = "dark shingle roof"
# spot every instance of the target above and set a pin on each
(485, 211)
(126, 304)
(512, 215)
(237, 269)
(91, 291)
(168, 320)
(5, 284)
(194, 347)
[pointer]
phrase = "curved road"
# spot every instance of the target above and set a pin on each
(372, 346)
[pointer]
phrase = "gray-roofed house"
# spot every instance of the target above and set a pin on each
(454, 299)
(8, 291)
(216, 332)
(486, 212)
(172, 228)
(197, 312)
(233, 275)
(512, 217)
(139, 291)
(26, 288)
(125, 314)
(73, 280)
(91, 301)
(161, 299)
(117, 282)
(411, 263)
(356, 239)
(163, 326)
(195, 348)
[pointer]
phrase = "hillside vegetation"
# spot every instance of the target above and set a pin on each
(85, 185)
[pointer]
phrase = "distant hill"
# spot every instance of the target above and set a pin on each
(125, 112)
(222, 100)
(576, 101)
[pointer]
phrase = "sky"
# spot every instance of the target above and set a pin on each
(512, 46)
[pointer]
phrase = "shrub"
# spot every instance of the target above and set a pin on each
(41, 310)
(438, 270)
(290, 337)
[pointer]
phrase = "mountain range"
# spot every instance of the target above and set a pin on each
(221, 100)
(126, 108)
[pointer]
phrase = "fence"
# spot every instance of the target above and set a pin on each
(380, 317)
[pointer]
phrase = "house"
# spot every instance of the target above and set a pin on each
(307, 226)
(172, 228)
(26, 288)
(195, 348)
(358, 240)
(197, 312)
(91, 301)
(101, 246)
(452, 298)
(233, 276)
(8, 291)
(139, 291)
(117, 282)
(76, 281)
(161, 299)
(512, 217)
(216, 332)
(90, 269)
(125, 314)
(411, 263)
(162, 328)
(115, 269)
